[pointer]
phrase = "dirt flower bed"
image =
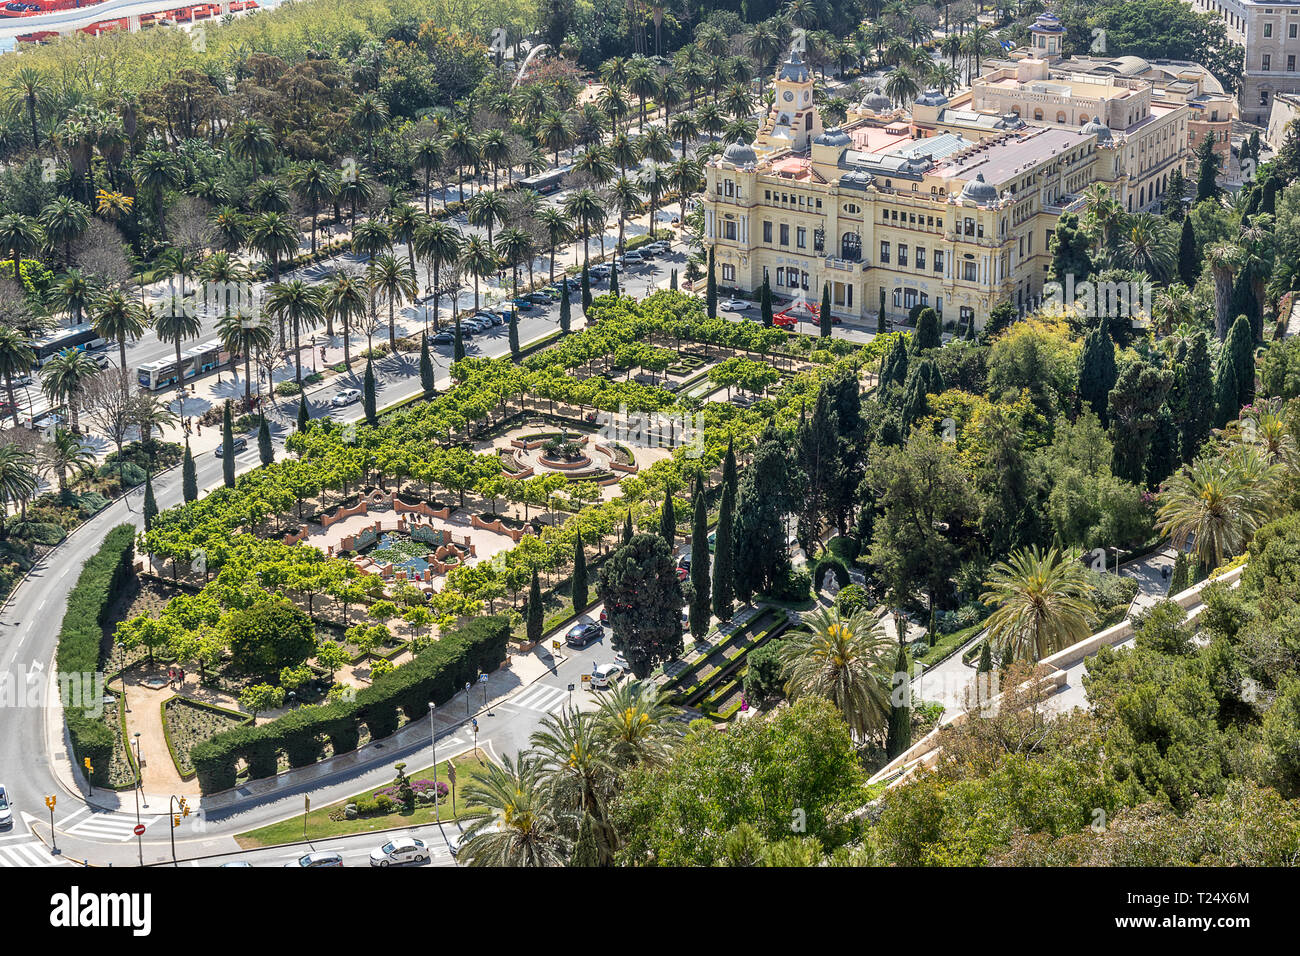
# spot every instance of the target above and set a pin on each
(188, 724)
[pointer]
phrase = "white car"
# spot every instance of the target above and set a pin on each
(400, 850)
(735, 305)
(346, 397)
(6, 810)
(603, 675)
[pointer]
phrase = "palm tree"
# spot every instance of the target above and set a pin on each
(480, 261)
(487, 209)
(66, 453)
(428, 155)
(405, 221)
(1149, 244)
(438, 244)
(64, 379)
(901, 86)
(1269, 430)
(316, 184)
(369, 117)
(231, 228)
(275, 238)
(654, 186)
(1043, 602)
(18, 478)
(30, 89)
(1214, 503)
(243, 334)
(1172, 307)
(625, 196)
(554, 133)
(64, 220)
(395, 284)
(175, 324)
(72, 293)
(585, 210)
(513, 247)
(462, 148)
(300, 305)
(19, 235)
(345, 300)
(655, 145)
(580, 778)
(16, 357)
(1102, 212)
(513, 823)
(495, 150)
(1225, 261)
(849, 662)
(633, 725)
(156, 171)
(685, 175)
(118, 317)
(763, 43)
(684, 126)
(643, 83)
(251, 141)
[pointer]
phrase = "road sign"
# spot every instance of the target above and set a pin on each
(139, 829)
(482, 678)
(570, 688)
(555, 645)
(51, 800)
(586, 678)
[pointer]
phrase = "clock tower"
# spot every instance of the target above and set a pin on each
(794, 120)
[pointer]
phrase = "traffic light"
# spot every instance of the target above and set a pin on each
(176, 821)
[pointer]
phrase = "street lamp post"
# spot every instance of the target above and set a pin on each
(121, 673)
(433, 743)
(139, 770)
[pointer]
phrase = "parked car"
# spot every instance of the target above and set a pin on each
(538, 297)
(683, 573)
(6, 810)
(661, 247)
(320, 858)
(398, 851)
(239, 443)
(443, 338)
(522, 304)
(603, 675)
(736, 305)
(713, 541)
(633, 257)
(684, 562)
(583, 633)
(346, 397)
(240, 863)
(599, 271)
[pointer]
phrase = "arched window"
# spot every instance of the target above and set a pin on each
(1083, 119)
(1060, 116)
(851, 247)
(1038, 114)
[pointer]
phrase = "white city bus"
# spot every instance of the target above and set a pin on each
(83, 337)
(194, 362)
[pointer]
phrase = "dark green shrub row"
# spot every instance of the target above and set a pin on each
(435, 674)
(101, 578)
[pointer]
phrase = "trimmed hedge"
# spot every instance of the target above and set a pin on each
(80, 636)
(435, 674)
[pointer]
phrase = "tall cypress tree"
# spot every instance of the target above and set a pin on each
(711, 290)
(535, 616)
(613, 279)
(586, 288)
(724, 589)
(427, 381)
(1240, 348)
(1207, 170)
(1097, 369)
(458, 347)
(1225, 391)
(668, 523)
(189, 476)
(729, 476)
(882, 323)
(579, 586)
(1189, 265)
(265, 450)
(929, 333)
(986, 658)
(824, 316)
(899, 737)
(514, 334)
(672, 280)
(150, 502)
(368, 399)
(1176, 194)
(628, 531)
(566, 317)
(701, 604)
(227, 446)
(585, 851)
(1198, 385)
(765, 303)
(304, 413)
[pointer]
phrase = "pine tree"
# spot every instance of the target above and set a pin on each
(1097, 369)
(668, 523)
(368, 400)
(628, 530)
(899, 737)
(514, 334)
(824, 316)
(458, 348)
(578, 588)
(711, 290)
(427, 381)
(1189, 264)
(265, 450)
(189, 476)
(613, 280)
(586, 288)
(566, 317)
(765, 303)
(882, 324)
(227, 446)
(929, 334)
(535, 617)
(304, 413)
(724, 589)
(150, 502)
(585, 851)
(700, 603)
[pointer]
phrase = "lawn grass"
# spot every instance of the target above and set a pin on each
(321, 827)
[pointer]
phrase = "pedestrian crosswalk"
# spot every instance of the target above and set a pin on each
(543, 698)
(104, 825)
(31, 853)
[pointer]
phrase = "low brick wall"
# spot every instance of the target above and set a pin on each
(495, 525)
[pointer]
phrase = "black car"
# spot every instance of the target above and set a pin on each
(583, 633)
(443, 338)
(240, 445)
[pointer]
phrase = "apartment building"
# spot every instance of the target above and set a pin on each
(1270, 33)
